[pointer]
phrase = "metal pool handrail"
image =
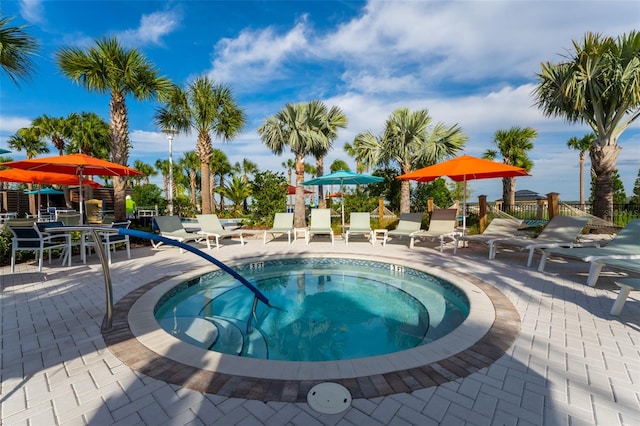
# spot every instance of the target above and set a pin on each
(94, 230)
(187, 247)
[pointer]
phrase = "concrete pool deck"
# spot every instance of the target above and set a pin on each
(571, 362)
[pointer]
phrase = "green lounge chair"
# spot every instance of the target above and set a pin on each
(498, 228)
(561, 231)
(359, 223)
(442, 225)
(408, 224)
(282, 224)
(320, 224)
(210, 226)
(622, 252)
(171, 227)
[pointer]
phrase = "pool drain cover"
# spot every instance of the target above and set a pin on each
(329, 398)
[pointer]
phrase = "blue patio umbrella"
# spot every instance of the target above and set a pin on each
(45, 191)
(4, 151)
(343, 177)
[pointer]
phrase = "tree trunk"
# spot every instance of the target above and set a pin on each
(222, 203)
(405, 191)
(194, 186)
(204, 151)
(299, 210)
(509, 193)
(582, 154)
(603, 162)
(320, 172)
(119, 150)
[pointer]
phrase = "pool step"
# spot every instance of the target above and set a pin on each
(230, 339)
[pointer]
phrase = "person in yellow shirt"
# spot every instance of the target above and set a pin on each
(130, 206)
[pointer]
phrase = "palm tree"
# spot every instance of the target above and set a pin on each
(583, 145)
(305, 129)
(163, 167)
(245, 168)
(108, 67)
(58, 129)
(147, 170)
(409, 140)
(334, 119)
(338, 165)
(513, 145)
(17, 48)
(351, 152)
(236, 191)
(210, 110)
(29, 140)
(219, 167)
(90, 135)
(597, 84)
(191, 165)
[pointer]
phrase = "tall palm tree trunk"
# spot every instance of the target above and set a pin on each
(119, 149)
(582, 155)
(299, 210)
(509, 193)
(603, 162)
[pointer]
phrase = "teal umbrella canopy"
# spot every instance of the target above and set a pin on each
(343, 177)
(4, 151)
(45, 191)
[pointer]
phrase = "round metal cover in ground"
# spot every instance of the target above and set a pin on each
(329, 398)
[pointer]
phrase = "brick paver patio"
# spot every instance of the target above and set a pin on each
(571, 363)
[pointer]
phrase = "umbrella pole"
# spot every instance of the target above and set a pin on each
(464, 208)
(81, 199)
(342, 199)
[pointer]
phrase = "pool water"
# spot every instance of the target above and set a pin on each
(328, 309)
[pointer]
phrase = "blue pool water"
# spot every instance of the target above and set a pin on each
(329, 309)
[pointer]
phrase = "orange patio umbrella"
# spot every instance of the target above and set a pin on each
(79, 165)
(46, 178)
(462, 169)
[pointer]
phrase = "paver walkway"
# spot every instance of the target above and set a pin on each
(571, 364)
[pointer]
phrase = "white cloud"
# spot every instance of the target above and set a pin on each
(256, 56)
(32, 11)
(9, 124)
(152, 29)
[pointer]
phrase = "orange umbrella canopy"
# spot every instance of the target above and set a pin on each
(292, 190)
(74, 164)
(29, 176)
(463, 168)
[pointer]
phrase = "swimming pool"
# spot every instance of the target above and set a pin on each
(330, 309)
(156, 343)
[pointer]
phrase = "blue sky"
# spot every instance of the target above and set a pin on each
(468, 62)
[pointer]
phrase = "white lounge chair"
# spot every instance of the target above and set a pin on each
(442, 225)
(320, 224)
(210, 226)
(359, 223)
(282, 224)
(408, 224)
(561, 231)
(498, 228)
(171, 227)
(622, 252)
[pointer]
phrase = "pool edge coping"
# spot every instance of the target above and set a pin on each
(145, 347)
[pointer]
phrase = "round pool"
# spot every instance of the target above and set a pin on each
(156, 343)
(327, 309)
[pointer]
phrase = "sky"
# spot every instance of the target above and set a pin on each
(471, 63)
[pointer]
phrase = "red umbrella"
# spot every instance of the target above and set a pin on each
(292, 190)
(462, 169)
(47, 178)
(75, 164)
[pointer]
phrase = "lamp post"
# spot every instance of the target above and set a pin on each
(170, 132)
